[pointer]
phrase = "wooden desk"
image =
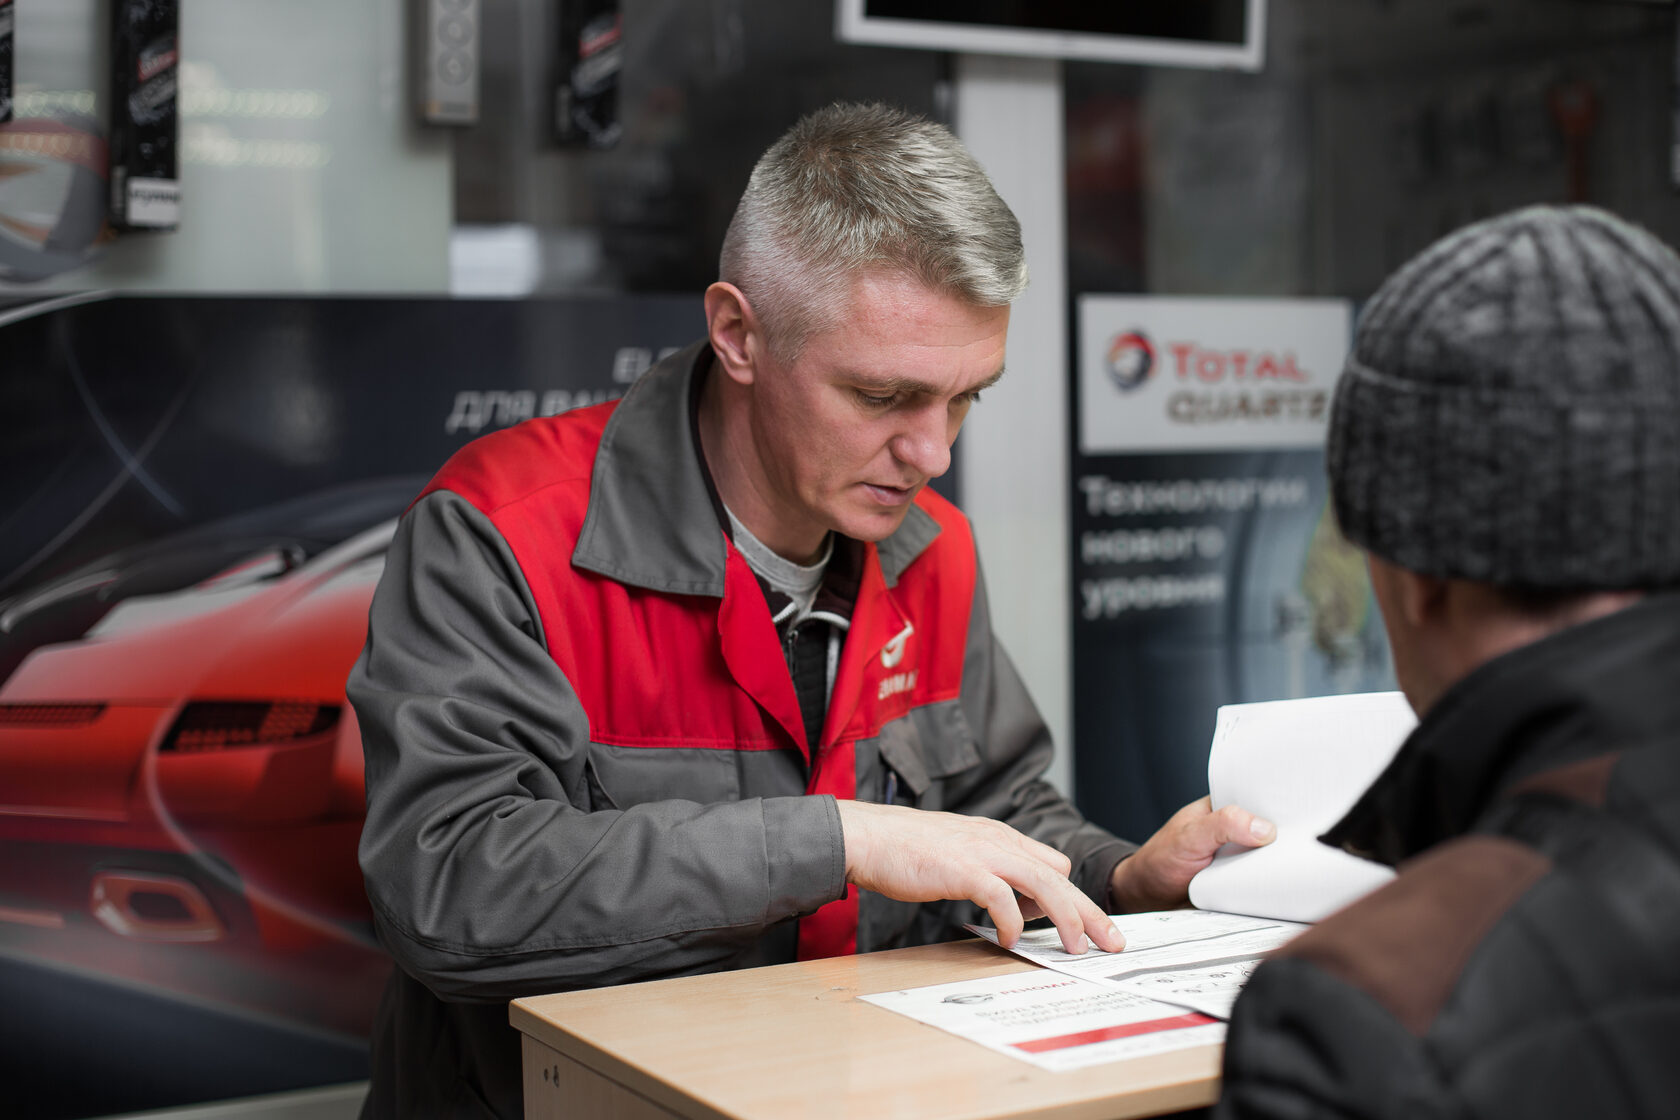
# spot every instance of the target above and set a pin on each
(794, 1040)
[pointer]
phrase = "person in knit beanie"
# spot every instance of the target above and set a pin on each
(1505, 447)
(1511, 409)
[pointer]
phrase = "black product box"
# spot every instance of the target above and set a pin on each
(145, 120)
(591, 57)
(7, 19)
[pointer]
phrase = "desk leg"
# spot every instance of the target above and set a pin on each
(558, 1088)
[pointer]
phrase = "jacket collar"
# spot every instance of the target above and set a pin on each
(1589, 690)
(652, 521)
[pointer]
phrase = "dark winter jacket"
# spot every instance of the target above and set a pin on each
(1526, 962)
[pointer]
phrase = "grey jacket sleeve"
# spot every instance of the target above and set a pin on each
(491, 872)
(1015, 748)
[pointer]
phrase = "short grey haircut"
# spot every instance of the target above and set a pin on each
(854, 188)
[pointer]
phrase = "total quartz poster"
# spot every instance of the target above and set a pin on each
(1207, 568)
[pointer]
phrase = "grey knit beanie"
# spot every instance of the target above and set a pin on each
(1511, 409)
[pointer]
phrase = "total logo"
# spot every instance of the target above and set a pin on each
(1211, 366)
(1131, 359)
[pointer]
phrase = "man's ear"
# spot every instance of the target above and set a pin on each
(1423, 600)
(737, 340)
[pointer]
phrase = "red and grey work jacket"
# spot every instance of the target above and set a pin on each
(586, 763)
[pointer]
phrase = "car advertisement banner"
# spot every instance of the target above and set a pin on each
(1207, 568)
(196, 496)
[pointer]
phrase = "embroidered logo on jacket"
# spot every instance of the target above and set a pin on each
(893, 652)
(897, 683)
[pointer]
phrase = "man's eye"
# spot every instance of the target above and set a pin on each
(973, 398)
(875, 400)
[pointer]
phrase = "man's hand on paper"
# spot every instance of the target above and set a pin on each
(1157, 876)
(918, 856)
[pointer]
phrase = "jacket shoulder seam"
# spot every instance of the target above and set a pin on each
(488, 510)
(1408, 944)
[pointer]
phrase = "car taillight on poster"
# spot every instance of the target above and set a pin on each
(220, 725)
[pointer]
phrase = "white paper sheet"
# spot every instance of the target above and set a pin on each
(1054, 1021)
(1301, 764)
(1191, 958)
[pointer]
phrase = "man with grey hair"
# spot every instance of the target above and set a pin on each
(1505, 446)
(705, 679)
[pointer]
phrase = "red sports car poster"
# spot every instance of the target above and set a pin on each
(194, 508)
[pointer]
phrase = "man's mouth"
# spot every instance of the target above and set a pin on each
(891, 495)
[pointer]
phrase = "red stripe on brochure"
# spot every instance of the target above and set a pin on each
(1085, 1038)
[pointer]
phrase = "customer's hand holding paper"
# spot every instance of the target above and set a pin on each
(1300, 764)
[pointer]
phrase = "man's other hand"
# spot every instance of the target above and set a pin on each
(919, 856)
(1157, 876)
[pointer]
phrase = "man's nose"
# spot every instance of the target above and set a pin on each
(925, 443)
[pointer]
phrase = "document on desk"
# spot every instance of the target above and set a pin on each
(1193, 958)
(1054, 1021)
